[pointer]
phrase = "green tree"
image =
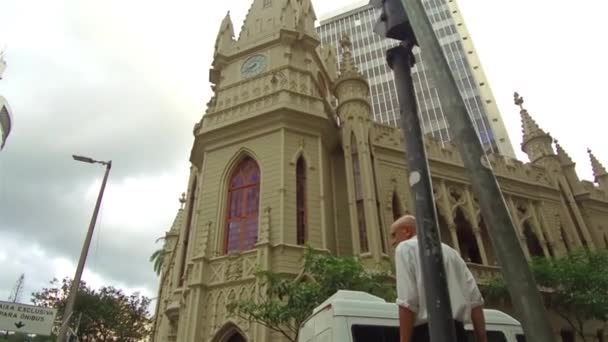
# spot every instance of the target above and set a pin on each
(106, 314)
(283, 304)
(157, 258)
(576, 286)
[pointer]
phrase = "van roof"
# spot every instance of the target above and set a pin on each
(362, 304)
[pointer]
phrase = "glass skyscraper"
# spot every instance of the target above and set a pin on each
(369, 50)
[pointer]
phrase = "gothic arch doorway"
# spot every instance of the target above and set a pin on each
(229, 333)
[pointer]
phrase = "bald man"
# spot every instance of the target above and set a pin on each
(465, 298)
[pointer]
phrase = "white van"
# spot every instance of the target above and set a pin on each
(351, 316)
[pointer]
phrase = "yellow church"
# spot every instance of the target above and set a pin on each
(287, 154)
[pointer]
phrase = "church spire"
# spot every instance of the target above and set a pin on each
(348, 68)
(530, 128)
(268, 16)
(562, 155)
(599, 172)
(351, 86)
(306, 18)
(598, 169)
(225, 37)
(536, 143)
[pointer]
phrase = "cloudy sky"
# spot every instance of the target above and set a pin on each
(127, 79)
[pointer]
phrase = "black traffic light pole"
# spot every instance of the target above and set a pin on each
(522, 287)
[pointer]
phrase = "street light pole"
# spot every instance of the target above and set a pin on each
(62, 336)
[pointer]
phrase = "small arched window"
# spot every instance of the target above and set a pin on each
(301, 201)
(363, 244)
(243, 207)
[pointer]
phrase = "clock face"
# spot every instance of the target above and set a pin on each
(253, 65)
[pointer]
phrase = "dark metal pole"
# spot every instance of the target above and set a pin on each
(441, 323)
(518, 277)
(67, 313)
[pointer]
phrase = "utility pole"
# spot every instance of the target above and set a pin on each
(413, 28)
(65, 324)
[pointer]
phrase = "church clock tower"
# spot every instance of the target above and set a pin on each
(260, 183)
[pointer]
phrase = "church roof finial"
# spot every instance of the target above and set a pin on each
(182, 200)
(562, 155)
(529, 127)
(348, 68)
(598, 168)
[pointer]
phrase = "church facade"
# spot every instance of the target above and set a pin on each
(287, 155)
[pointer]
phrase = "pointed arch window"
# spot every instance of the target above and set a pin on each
(363, 243)
(466, 238)
(301, 201)
(564, 237)
(243, 207)
(396, 206)
(187, 230)
(383, 242)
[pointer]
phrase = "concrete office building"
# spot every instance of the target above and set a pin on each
(369, 53)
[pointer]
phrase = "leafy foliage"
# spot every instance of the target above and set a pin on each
(106, 314)
(157, 258)
(577, 285)
(283, 304)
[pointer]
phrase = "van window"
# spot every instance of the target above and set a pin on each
(493, 336)
(380, 333)
(520, 338)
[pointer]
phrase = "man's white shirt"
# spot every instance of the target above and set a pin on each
(464, 293)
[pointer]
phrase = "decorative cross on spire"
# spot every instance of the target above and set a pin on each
(519, 100)
(182, 200)
(345, 43)
(347, 66)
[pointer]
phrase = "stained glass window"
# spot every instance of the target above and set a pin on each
(243, 204)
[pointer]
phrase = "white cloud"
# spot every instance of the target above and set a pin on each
(138, 203)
